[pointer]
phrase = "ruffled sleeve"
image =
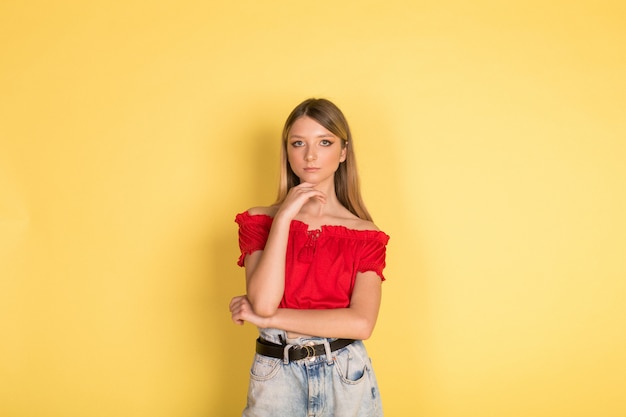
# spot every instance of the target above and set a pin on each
(253, 233)
(373, 255)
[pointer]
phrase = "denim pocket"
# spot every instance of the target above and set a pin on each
(351, 367)
(264, 368)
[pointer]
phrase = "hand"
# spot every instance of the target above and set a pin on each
(297, 197)
(241, 311)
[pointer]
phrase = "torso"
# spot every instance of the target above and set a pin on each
(341, 217)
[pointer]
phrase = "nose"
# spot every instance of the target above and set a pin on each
(310, 156)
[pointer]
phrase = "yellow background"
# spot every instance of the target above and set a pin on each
(491, 138)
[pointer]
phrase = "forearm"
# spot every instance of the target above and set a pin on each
(265, 272)
(346, 323)
(354, 322)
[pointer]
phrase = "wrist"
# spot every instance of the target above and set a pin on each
(282, 219)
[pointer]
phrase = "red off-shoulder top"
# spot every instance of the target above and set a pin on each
(321, 265)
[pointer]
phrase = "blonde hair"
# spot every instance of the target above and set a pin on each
(347, 186)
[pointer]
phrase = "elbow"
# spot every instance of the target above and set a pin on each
(365, 334)
(263, 309)
(264, 312)
(263, 305)
(363, 329)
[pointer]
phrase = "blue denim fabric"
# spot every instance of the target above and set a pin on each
(340, 386)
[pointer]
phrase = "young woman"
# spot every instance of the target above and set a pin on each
(314, 266)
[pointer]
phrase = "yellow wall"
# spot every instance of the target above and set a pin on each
(491, 138)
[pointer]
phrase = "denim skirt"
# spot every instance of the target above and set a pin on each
(342, 385)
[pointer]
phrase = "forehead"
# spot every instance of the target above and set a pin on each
(307, 127)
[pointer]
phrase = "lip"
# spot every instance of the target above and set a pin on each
(311, 169)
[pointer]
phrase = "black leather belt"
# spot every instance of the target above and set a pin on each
(297, 352)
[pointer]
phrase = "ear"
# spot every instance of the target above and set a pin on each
(344, 153)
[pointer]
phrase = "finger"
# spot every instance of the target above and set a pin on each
(234, 301)
(311, 193)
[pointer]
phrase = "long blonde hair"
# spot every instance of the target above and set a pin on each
(347, 186)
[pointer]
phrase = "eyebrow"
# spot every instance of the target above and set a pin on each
(318, 136)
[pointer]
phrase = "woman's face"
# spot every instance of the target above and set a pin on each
(313, 152)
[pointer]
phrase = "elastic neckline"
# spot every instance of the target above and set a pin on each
(334, 229)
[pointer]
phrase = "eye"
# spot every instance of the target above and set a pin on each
(297, 143)
(326, 142)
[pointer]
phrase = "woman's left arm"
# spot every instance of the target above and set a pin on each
(354, 322)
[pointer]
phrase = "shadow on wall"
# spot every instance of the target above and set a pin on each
(233, 345)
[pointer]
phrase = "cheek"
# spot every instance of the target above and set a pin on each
(291, 156)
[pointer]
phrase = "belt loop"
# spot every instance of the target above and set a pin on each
(329, 358)
(286, 354)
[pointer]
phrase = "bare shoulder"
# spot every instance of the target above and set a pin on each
(351, 221)
(360, 224)
(263, 210)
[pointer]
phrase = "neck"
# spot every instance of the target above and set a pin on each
(316, 209)
(328, 188)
